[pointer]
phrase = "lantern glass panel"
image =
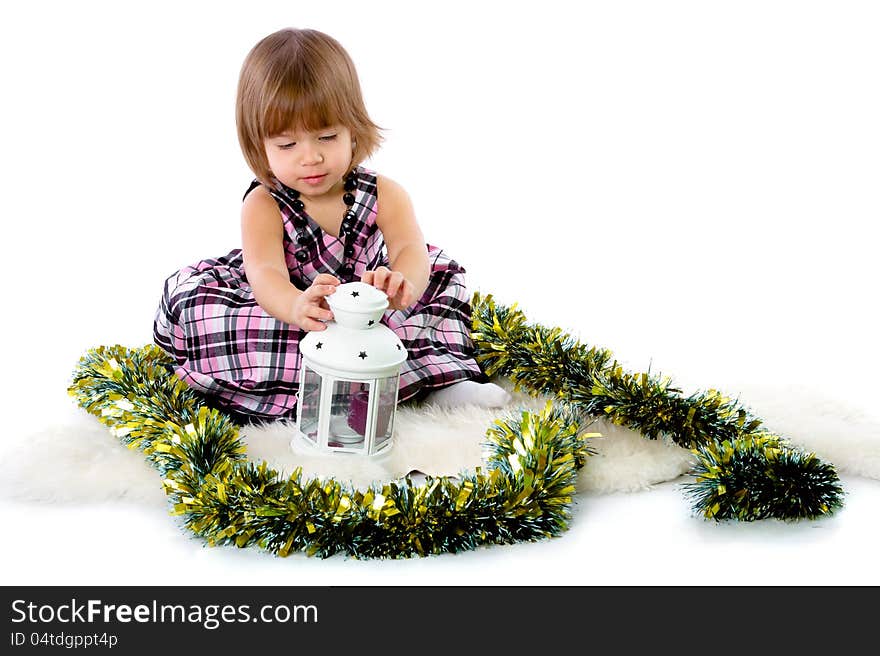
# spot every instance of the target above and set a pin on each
(386, 388)
(348, 414)
(310, 404)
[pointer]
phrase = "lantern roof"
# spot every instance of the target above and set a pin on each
(357, 297)
(356, 344)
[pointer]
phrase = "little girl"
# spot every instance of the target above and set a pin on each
(313, 218)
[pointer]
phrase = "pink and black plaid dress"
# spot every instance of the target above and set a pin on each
(247, 362)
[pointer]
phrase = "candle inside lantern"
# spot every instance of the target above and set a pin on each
(357, 412)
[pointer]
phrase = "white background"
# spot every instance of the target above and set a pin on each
(693, 185)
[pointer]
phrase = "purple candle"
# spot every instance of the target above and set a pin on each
(357, 412)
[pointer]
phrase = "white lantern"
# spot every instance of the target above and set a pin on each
(349, 376)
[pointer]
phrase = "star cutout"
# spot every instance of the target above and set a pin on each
(370, 322)
(355, 293)
(319, 345)
(363, 355)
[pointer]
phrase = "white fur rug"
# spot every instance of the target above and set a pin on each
(78, 460)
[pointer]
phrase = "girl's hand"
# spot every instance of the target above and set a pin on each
(400, 292)
(310, 308)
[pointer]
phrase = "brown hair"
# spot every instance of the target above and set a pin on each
(299, 79)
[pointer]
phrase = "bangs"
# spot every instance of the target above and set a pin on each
(309, 104)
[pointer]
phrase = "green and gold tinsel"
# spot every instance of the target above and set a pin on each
(524, 491)
(743, 472)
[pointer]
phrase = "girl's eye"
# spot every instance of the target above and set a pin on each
(329, 137)
(287, 146)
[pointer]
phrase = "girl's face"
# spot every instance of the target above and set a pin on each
(313, 163)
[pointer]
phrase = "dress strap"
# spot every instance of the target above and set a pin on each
(256, 183)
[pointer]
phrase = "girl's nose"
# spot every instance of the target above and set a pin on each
(311, 155)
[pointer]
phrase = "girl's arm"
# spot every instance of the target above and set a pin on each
(262, 240)
(407, 251)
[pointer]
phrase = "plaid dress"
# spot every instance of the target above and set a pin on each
(247, 363)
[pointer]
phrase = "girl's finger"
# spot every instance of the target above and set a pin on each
(405, 296)
(319, 313)
(395, 280)
(320, 291)
(381, 278)
(312, 325)
(326, 279)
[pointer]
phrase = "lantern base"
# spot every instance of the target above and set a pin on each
(305, 446)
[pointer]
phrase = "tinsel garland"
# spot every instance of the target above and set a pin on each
(523, 493)
(743, 472)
